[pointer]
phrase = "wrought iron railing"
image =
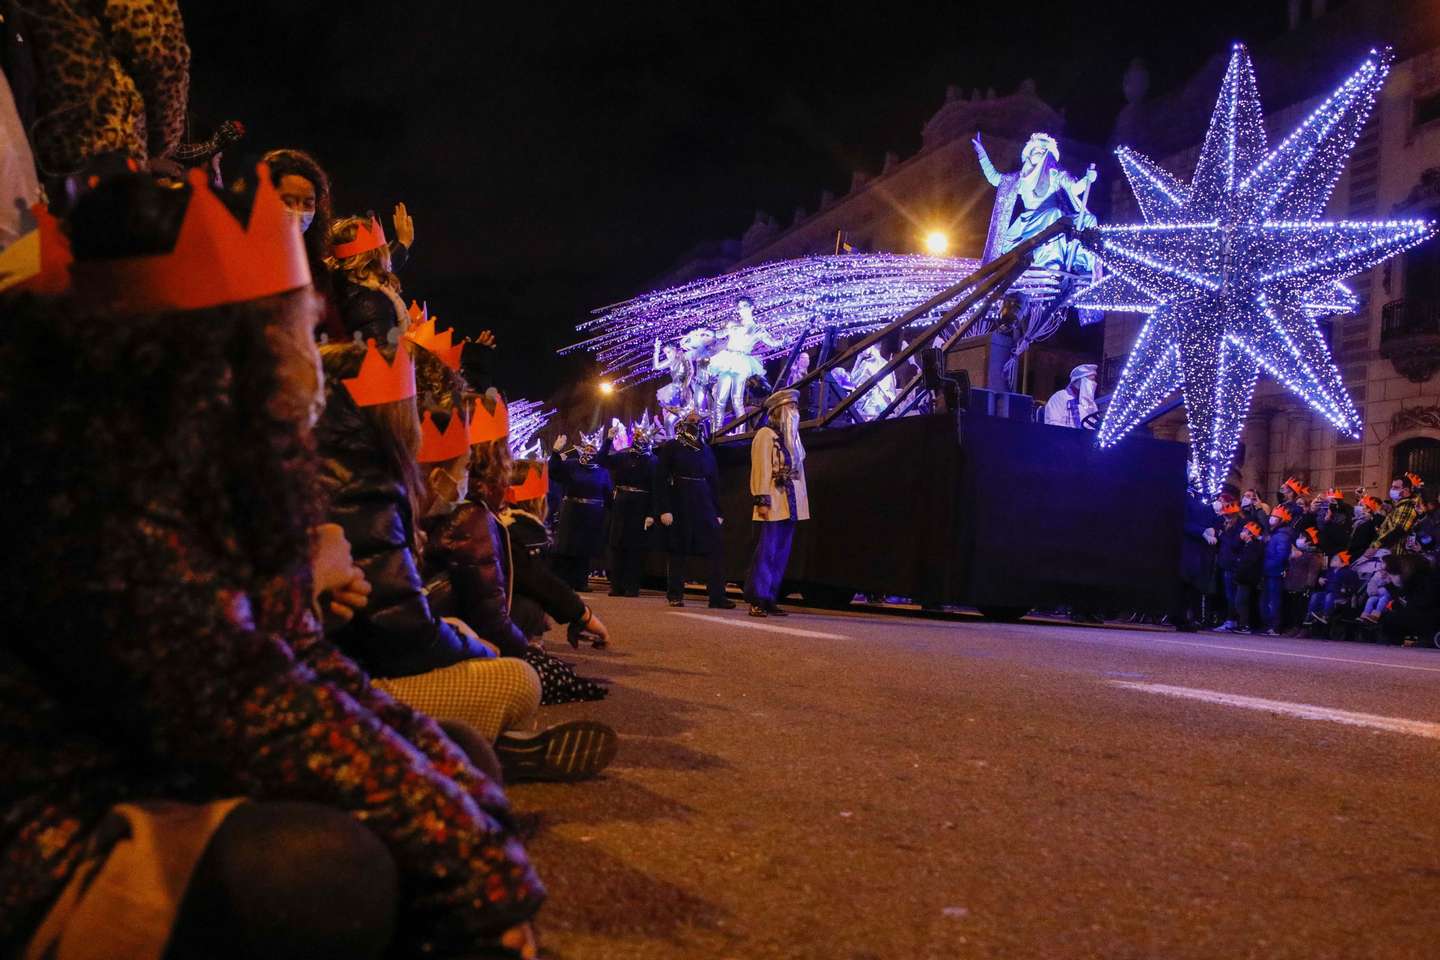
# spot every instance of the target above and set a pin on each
(1400, 319)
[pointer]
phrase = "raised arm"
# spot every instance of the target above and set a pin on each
(986, 167)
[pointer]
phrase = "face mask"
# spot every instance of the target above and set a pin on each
(1216, 505)
(302, 217)
(1395, 494)
(1246, 501)
(1274, 521)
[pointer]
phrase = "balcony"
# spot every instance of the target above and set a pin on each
(1410, 337)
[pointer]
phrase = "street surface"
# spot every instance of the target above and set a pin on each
(868, 786)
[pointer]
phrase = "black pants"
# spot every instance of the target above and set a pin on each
(714, 575)
(627, 567)
(575, 571)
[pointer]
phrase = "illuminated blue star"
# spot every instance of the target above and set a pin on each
(1234, 269)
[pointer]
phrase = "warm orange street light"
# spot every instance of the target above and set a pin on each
(937, 242)
(606, 388)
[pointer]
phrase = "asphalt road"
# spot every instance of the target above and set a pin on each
(866, 786)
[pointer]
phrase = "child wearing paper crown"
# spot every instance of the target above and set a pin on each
(369, 438)
(194, 708)
(1249, 573)
(539, 593)
(1277, 561)
(367, 291)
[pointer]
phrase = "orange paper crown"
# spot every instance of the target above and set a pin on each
(1297, 486)
(381, 381)
(38, 262)
(1333, 494)
(1344, 557)
(215, 260)
(1371, 503)
(536, 485)
(486, 426)
(1313, 534)
(438, 447)
(1282, 513)
(1254, 528)
(368, 237)
(1230, 508)
(424, 335)
(1414, 478)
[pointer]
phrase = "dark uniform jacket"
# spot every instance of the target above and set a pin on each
(580, 525)
(688, 486)
(634, 475)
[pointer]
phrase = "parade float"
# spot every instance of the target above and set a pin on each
(1233, 271)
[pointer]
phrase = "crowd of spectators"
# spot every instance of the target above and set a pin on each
(1328, 565)
(277, 606)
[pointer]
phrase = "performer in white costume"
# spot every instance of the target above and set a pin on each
(737, 363)
(869, 363)
(1070, 407)
(1046, 193)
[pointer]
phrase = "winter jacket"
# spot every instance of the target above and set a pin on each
(1228, 553)
(1277, 551)
(462, 559)
(1334, 535)
(1361, 537)
(533, 578)
(396, 634)
(365, 311)
(1304, 570)
(179, 683)
(1250, 562)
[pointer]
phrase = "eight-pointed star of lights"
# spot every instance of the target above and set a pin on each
(1234, 269)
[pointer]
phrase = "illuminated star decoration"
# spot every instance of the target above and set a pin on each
(1235, 268)
(854, 293)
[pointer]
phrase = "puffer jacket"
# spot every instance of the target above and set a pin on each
(1277, 551)
(467, 578)
(397, 634)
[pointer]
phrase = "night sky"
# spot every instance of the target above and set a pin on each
(558, 156)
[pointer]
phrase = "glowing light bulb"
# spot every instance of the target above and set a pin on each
(937, 242)
(606, 388)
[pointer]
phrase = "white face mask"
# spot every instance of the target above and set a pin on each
(1246, 501)
(1396, 494)
(1274, 521)
(302, 217)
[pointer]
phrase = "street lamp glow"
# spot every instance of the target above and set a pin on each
(606, 388)
(937, 242)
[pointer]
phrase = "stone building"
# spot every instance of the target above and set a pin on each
(1389, 350)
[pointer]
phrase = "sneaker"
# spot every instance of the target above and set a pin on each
(1270, 633)
(775, 611)
(564, 753)
(757, 611)
(1226, 627)
(675, 601)
(722, 604)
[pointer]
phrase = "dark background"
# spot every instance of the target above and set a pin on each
(558, 156)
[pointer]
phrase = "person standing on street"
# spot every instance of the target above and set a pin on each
(631, 516)
(777, 484)
(687, 502)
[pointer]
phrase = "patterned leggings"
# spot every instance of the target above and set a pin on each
(491, 695)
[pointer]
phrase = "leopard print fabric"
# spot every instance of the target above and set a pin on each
(113, 75)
